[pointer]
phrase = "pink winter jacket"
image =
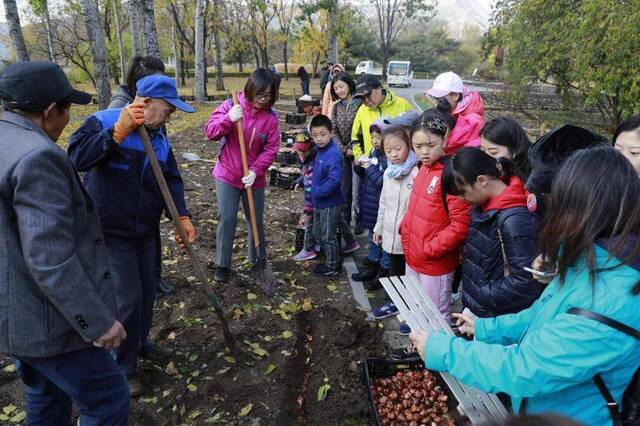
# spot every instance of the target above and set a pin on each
(469, 115)
(261, 152)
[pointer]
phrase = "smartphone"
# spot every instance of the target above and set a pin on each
(544, 274)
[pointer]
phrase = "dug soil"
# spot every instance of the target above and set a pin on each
(299, 353)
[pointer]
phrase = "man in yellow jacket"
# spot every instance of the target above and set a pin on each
(376, 102)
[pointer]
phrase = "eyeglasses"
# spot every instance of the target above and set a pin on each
(263, 96)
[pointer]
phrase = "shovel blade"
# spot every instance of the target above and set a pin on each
(265, 277)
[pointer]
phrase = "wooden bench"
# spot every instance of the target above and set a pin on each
(420, 312)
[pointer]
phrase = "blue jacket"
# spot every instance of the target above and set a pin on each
(370, 188)
(326, 188)
(119, 178)
(548, 356)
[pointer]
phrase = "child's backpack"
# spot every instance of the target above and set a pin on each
(630, 415)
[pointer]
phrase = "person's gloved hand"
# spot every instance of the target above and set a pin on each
(131, 117)
(249, 179)
(235, 113)
(188, 229)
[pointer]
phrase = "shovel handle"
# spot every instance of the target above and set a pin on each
(197, 266)
(245, 169)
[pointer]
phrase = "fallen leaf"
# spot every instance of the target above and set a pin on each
(11, 368)
(149, 400)
(230, 359)
(193, 357)
(307, 305)
(213, 419)
(171, 369)
(268, 338)
(237, 314)
(251, 296)
(4, 417)
(172, 336)
(245, 410)
(191, 278)
(332, 288)
(20, 416)
(195, 414)
(322, 391)
(9, 409)
(192, 387)
(286, 334)
(270, 369)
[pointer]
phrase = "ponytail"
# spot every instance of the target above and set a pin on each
(467, 164)
(140, 67)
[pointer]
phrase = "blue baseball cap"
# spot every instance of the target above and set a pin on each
(162, 87)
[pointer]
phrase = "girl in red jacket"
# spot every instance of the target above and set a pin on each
(435, 225)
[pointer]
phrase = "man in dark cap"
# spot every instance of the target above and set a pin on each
(57, 316)
(118, 176)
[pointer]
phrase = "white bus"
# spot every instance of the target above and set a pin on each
(399, 73)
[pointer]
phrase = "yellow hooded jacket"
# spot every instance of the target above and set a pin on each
(392, 106)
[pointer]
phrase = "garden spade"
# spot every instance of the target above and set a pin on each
(197, 266)
(263, 273)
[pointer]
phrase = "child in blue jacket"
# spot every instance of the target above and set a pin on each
(307, 153)
(377, 262)
(328, 199)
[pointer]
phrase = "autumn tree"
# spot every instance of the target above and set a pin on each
(98, 50)
(286, 13)
(261, 13)
(41, 9)
(200, 83)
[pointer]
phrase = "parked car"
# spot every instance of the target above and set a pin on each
(399, 73)
(369, 67)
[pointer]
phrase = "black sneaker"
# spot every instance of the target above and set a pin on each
(372, 285)
(409, 353)
(323, 270)
(368, 274)
(164, 288)
(222, 274)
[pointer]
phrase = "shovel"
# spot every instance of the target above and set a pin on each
(263, 273)
(197, 266)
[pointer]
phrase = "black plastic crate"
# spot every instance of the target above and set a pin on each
(295, 118)
(374, 368)
(283, 179)
(288, 156)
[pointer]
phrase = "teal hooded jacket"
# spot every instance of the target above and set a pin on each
(547, 356)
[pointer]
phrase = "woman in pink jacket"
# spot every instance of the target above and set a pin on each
(262, 139)
(464, 105)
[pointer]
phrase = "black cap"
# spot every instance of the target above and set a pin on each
(365, 84)
(29, 85)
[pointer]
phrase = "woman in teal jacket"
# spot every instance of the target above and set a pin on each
(544, 357)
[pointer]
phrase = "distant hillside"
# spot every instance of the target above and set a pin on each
(460, 13)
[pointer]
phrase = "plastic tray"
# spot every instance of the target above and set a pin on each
(295, 118)
(282, 179)
(374, 368)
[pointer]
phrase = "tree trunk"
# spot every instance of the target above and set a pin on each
(285, 56)
(199, 90)
(257, 57)
(331, 33)
(217, 45)
(15, 30)
(264, 52)
(116, 18)
(151, 46)
(183, 67)
(98, 51)
(240, 62)
(177, 54)
(135, 25)
(47, 25)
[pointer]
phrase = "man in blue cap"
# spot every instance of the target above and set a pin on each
(120, 180)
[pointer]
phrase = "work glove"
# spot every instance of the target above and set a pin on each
(249, 179)
(235, 113)
(188, 229)
(131, 117)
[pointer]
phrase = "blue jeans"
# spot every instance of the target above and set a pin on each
(304, 84)
(133, 265)
(376, 254)
(326, 222)
(88, 377)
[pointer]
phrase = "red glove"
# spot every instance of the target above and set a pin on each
(131, 117)
(188, 229)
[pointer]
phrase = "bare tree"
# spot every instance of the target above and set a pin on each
(261, 13)
(217, 44)
(237, 32)
(286, 11)
(15, 30)
(135, 25)
(98, 50)
(115, 4)
(177, 52)
(151, 46)
(332, 9)
(391, 16)
(199, 90)
(41, 9)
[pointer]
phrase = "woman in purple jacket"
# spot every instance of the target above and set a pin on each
(262, 138)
